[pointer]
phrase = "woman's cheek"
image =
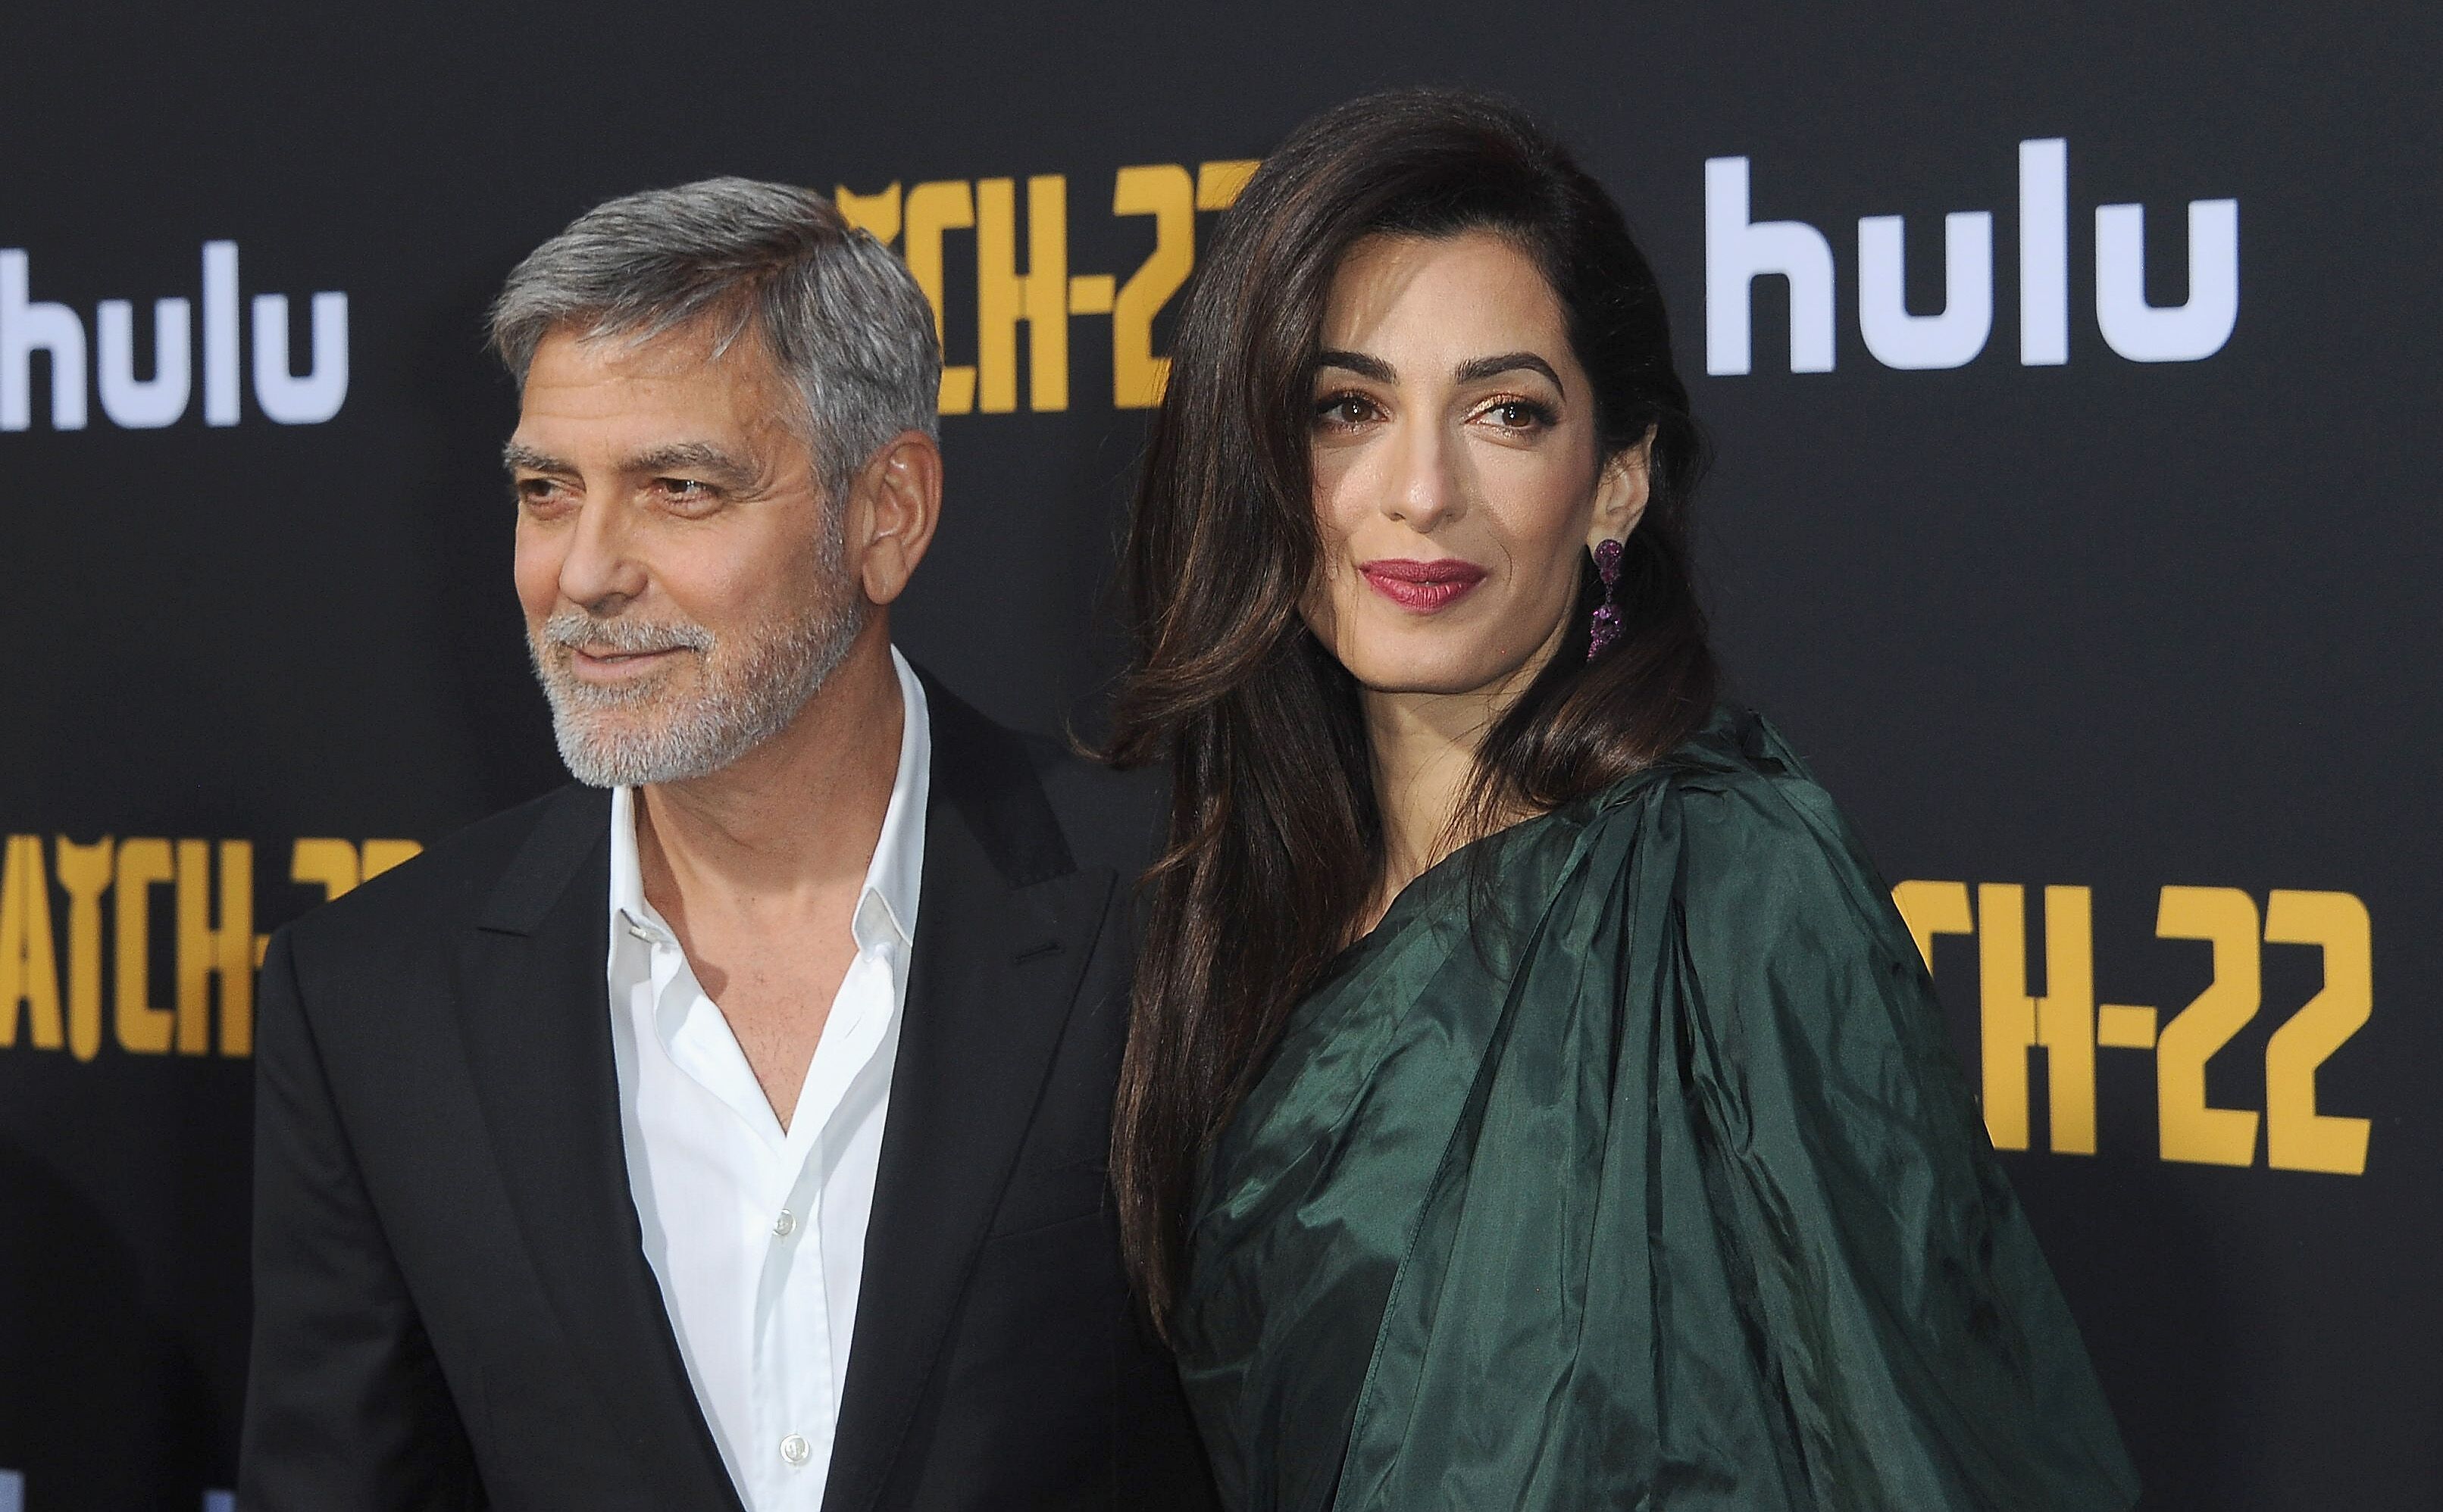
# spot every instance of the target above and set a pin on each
(1338, 487)
(1557, 510)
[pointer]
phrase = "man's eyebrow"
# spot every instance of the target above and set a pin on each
(517, 455)
(1483, 367)
(1358, 363)
(699, 457)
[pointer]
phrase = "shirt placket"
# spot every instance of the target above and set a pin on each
(793, 1343)
(801, 1339)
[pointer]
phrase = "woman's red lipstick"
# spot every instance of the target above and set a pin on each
(1423, 586)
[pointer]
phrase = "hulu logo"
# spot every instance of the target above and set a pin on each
(1740, 250)
(161, 397)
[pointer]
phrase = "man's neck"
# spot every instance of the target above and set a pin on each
(795, 817)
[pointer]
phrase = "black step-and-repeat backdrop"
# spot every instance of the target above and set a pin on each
(2073, 381)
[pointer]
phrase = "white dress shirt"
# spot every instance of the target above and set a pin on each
(756, 1234)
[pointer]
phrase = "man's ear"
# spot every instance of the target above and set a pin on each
(895, 504)
(1621, 491)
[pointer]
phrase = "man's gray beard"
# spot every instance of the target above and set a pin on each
(625, 737)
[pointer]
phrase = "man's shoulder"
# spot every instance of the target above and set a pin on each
(1111, 818)
(1105, 818)
(450, 884)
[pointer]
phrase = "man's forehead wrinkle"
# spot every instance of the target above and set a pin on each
(716, 331)
(671, 343)
(737, 417)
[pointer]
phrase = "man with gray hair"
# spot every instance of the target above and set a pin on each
(728, 1129)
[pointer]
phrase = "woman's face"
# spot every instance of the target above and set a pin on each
(1456, 476)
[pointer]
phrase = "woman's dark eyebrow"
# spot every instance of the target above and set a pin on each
(1483, 367)
(1358, 363)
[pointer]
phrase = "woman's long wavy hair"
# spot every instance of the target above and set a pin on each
(1275, 840)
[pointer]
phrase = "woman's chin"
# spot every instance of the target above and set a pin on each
(1428, 677)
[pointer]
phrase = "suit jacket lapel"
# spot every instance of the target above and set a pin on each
(536, 1010)
(1003, 933)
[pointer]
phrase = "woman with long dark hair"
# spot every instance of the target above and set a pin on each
(1533, 1101)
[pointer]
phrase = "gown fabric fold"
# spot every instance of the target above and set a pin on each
(1626, 1164)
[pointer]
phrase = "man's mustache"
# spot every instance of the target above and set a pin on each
(573, 628)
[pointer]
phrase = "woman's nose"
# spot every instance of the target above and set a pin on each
(1424, 484)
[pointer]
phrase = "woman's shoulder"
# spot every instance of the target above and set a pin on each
(1763, 850)
(1738, 751)
(1737, 782)
(1797, 959)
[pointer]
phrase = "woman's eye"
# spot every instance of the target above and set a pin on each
(1345, 409)
(1520, 414)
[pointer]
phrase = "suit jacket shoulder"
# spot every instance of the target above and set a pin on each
(459, 880)
(1104, 818)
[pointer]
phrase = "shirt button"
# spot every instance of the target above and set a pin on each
(786, 1224)
(794, 1450)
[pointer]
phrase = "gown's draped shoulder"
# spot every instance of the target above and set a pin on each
(1626, 1164)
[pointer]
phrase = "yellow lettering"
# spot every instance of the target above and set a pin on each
(29, 974)
(932, 209)
(1039, 297)
(2297, 1137)
(381, 855)
(2124, 1027)
(1162, 191)
(2007, 1026)
(2061, 1022)
(1217, 184)
(84, 872)
(226, 952)
(143, 864)
(330, 864)
(2191, 1130)
(875, 215)
(1931, 908)
(1090, 294)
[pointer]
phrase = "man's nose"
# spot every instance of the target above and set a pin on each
(602, 569)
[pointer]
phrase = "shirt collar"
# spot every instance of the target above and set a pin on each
(885, 908)
(896, 876)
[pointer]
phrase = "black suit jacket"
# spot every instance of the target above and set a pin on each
(453, 1304)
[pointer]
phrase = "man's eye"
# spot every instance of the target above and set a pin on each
(536, 493)
(690, 491)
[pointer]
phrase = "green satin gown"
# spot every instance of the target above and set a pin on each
(1626, 1164)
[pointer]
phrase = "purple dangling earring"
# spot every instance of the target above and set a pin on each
(1606, 627)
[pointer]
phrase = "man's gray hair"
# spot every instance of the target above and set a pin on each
(835, 310)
